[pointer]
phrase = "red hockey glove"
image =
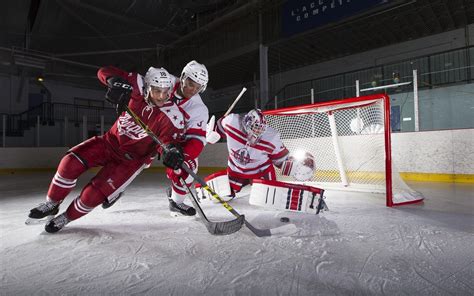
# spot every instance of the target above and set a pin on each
(175, 175)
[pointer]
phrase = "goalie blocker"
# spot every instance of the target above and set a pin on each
(287, 196)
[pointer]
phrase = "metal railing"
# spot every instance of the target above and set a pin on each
(92, 119)
(435, 70)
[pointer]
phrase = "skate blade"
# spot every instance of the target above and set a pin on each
(32, 221)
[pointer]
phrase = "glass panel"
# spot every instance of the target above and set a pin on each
(327, 89)
(449, 67)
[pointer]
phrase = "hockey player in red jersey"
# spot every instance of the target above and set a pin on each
(193, 81)
(123, 152)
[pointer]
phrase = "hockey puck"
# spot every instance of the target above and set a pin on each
(285, 219)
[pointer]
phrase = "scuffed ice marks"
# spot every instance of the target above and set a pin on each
(359, 247)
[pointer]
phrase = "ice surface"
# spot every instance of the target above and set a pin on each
(359, 247)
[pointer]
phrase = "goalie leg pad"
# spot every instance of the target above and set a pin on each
(237, 183)
(285, 196)
(219, 183)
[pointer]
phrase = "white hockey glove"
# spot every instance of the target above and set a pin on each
(212, 136)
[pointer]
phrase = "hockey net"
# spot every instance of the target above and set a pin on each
(350, 141)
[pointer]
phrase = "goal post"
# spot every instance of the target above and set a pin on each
(350, 140)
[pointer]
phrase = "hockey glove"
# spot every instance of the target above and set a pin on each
(118, 93)
(212, 136)
(173, 156)
(178, 174)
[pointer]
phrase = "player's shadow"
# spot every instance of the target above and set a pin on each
(127, 211)
(78, 231)
(308, 225)
(104, 230)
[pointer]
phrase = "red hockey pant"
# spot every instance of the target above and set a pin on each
(239, 180)
(116, 174)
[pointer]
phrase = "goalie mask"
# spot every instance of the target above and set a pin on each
(254, 125)
(197, 73)
(157, 78)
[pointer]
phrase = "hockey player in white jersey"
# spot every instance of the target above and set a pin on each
(254, 148)
(193, 81)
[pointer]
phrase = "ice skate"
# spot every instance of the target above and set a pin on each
(43, 213)
(57, 223)
(179, 209)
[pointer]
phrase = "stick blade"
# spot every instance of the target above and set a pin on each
(221, 227)
(226, 227)
(284, 230)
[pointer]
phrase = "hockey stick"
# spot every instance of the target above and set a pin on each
(216, 228)
(256, 231)
(235, 102)
(210, 129)
(108, 203)
(213, 227)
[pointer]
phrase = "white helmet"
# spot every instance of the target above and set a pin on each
(254, 125)
(157, 77)
(197, 73)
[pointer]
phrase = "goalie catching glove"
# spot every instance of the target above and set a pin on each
(300, 166)
(118, 93)
(212, 136)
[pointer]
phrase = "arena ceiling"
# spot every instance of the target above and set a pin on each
(69, 39)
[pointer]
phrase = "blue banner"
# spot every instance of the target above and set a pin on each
(301, 15)
(395, 119)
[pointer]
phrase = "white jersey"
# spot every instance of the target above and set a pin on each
(247, 159)
(195, 114)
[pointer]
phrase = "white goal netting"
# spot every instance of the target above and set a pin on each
(350, 141)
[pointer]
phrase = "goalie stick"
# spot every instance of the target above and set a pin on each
(235, 102)
(212, 136)
(258, 232)
(216, 228)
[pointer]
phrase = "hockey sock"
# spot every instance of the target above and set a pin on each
(69, 169)
(90, 198)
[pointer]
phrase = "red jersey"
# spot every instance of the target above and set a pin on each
(126, 136)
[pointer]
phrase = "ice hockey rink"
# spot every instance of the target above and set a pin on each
(374, 95)
(358, 247)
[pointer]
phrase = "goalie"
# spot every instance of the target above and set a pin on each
(254, 149)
